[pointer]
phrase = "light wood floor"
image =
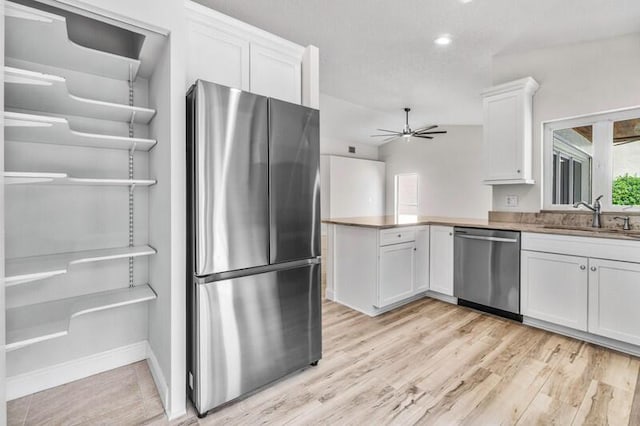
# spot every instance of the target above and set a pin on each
(426, 363)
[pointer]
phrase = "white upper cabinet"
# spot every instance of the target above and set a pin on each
(217, 56)
(226, 51)
(441, 260)
(275, 74)
(508, 110)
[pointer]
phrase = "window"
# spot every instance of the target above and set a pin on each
(406, 196)
(591, 156)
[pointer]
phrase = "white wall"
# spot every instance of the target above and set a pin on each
(344, 124)
(3, 374)
(574, 79)
(352, 187)
(449, 170)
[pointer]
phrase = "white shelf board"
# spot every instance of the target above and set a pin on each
(31, 324)
(36, 91)
(37, 36)
(26, 269)
(25, 178)
(19, 127)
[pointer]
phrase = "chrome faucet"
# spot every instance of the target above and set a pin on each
(595, 209)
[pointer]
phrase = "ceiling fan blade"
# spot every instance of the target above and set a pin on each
(390, 131)
(439, 132)
(423, 129)
(394, 135)
(423, 136)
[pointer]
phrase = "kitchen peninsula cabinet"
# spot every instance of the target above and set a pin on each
(374, 271)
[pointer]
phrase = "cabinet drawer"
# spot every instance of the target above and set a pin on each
(396, 235)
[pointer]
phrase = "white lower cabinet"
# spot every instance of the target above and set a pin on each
(554, 288)
(614, 300)
(441, 260)
(374, 271)
(567, 281)
(421, 264)
(397, 276)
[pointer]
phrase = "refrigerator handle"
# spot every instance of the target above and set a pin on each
(220, 276)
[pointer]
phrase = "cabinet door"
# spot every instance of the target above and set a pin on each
(216, 56)
(441, 260)
(554, 288)
(614, 296)
(275, 74)
(422, 260)
(396, 277)
(503, 133)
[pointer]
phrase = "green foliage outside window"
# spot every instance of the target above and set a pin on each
(626, 190)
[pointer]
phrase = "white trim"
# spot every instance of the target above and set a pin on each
(48, 377)
(527, 84)
(160, 381)
(602, 167)
(442, 297)
(581, 335)
(208, 16)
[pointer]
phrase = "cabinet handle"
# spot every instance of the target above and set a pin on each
(582, 267)
(518, 171)
(450, 233)
(593, 268)
(415, 249)
(399, 235)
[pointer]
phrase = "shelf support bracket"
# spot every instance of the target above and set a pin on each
(131, 174)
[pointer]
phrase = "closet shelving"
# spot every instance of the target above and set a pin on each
(41, 37)
(20, 127)
(23, 178)
(44, 321)
(36, 91)
(39, 108)
(26, 269)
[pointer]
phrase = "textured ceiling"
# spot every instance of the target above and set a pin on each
(380, 54)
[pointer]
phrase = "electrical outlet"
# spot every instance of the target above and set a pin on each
(511, 200)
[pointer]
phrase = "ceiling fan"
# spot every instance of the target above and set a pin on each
(407, 132)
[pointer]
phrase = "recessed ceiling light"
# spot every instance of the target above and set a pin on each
(443, 40)
(465, 1)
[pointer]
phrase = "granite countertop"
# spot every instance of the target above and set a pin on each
(385, 222)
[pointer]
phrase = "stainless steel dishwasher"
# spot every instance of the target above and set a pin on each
(487, 270)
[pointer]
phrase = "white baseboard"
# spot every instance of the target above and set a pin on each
(329, 295)
(442, 297)
(45, 378)
(581, 335)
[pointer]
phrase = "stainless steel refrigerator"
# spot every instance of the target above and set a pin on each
(253, 248)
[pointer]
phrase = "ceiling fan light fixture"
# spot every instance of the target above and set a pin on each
(407, 133)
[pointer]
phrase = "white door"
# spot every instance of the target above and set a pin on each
(441, 260)
(216, 56)
(554, 288)
(396, 278)
(422, 260)
(276, 74)
(614, 300)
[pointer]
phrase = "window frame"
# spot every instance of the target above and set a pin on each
(396, 192)
(601, 162)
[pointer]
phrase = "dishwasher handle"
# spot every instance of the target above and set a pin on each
(495, 239)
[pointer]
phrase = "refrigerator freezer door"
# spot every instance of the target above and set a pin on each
(230, 179)
(253, 330)
(294, 184)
